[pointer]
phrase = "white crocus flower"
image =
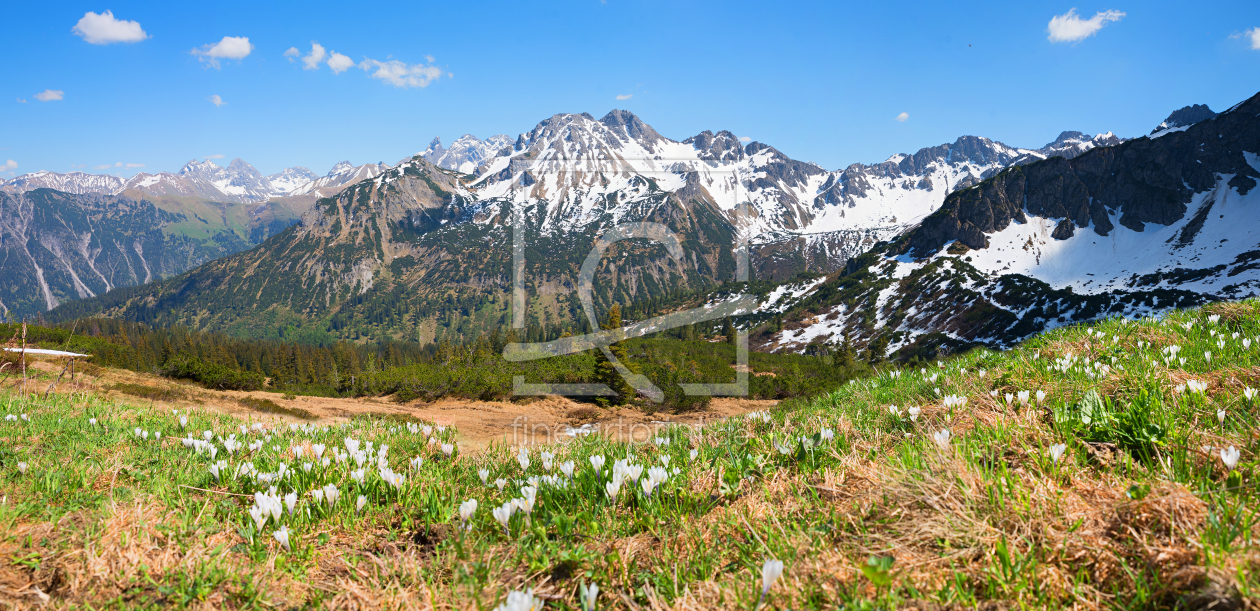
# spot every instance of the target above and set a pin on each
(588, 594)
(290, 500)
(360, 503)
(1220, 415)
(1229, 456)
(528, 493)
(658, 475)
(913, 411)
(466, 510)
(522, 458)
(597, 462)
(694, 453)
(566, 468)
(1057, 450)
(282, 536)
(504, 514)
(448, 449)
(941, 438)
(500, 483)
(22, 466)
(331, 494)
(648, 485)
(259, 516)
(770, 572)
(484, 474)
(183, 422)
(520, 601)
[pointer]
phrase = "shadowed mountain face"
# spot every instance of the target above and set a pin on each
(56, 246)
(1185, 117)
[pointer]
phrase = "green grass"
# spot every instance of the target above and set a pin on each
(1139, 511)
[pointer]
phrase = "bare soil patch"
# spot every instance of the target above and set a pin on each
(480, 423)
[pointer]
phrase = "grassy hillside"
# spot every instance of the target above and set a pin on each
(1124, 478)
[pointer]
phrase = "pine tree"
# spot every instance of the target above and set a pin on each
(728, 331)
(847, 357)
(878, 351)
(605, 373)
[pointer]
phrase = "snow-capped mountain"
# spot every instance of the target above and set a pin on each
(574, 164)
(239, 182)
(287, 181)
(78, 183)
(466, 153)
(342, 175)
(1159, 222)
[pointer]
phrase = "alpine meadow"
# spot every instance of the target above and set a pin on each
(607, 364)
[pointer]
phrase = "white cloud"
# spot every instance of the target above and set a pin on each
(214, 156)
(903, 116)
(48, 95)
(101, 167)
(21, 100)
(400, 74)
(1069, 27)
(339, 63)
(1254, 35)
(292, 53)
(134, 165)
(745, 139)
(625, 96)
(104, 29)
(317, 54)
(9, 165)
(216, 100)
(231, 47)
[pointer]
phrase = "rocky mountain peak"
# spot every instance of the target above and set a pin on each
(1185, 117)
(204, 169)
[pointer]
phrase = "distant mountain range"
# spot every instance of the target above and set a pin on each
(238, 183)
(71, 236)
(422, 250)
(467, 153)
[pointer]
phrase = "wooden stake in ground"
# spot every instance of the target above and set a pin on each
(23, 358)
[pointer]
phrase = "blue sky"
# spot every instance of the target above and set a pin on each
(823, 82)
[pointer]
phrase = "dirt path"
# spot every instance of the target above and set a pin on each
(480, 423)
